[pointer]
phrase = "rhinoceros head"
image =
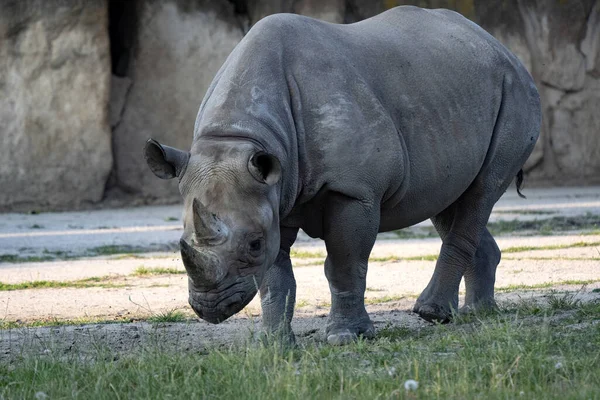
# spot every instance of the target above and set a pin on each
(230, 219)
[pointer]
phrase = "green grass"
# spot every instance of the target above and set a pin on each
(423, 232)
(14, 258)
(101, 282)
(389, 299)
(498, 356)
(306, 254)
(519, 249)
(301, 303)
(551, 258)
(55, 322)
(168, 316)
(526, 212)
(546, 226)
(142, 271)
(114, 249)
(545, 285)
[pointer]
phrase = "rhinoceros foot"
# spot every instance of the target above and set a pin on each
(343, 336)
(433, 312)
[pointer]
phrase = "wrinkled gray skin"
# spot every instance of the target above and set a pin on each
(346, 131)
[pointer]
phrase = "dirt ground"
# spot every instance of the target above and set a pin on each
(104, 245)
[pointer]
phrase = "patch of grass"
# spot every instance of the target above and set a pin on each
(519, 249)
(306, 254)
(14, 258)
(301, 303)
(526, 212)
(141, 271)
(168, 316)
(566, 301)
(392, 258)
(385, 259)
(427, 257)
(102, 282)
(595, 232)
(422, 232)
(547, 226)
(495, 357)
(395, 333)
(36, 226)
(169, 219)
(545, 285)
(553, 258)
(588, 310)
(388, 299)
(114, 249)
(128, 256)
(50, 322)
(522, 307)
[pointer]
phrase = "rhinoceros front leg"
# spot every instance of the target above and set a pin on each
(350, 231)
(278, 291)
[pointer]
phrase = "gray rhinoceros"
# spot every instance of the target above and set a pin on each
(346, 131)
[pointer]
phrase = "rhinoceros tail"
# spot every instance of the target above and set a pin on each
(519, 183)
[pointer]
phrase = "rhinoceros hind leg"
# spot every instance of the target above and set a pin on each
(467, 249)
(480, 280)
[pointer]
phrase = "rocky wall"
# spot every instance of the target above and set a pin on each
(178, 47)
(54, 92)
(85, 82)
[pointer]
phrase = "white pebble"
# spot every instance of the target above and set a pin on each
(392, 371)
(40, 396)
(411, 385)
(558, 365)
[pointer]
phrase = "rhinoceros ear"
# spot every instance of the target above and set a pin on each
(164, 161)
(265, 168)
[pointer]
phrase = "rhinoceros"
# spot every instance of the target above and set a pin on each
(345, 131)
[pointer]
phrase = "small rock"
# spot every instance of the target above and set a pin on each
(558, 365)
(411, 385)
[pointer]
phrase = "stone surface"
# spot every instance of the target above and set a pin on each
(575, 131)
(119, 88)
(553, 30)
(55, 147)
(58, 101)
(590, 46)
(180, 47)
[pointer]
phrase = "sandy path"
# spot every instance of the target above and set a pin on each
(147, 295)
(139, 296)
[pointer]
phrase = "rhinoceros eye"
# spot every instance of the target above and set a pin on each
(255, 247)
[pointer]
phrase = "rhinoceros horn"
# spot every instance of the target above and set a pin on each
(207, 226)
(203, 267)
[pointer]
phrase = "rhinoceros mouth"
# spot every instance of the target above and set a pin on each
(216, 305)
